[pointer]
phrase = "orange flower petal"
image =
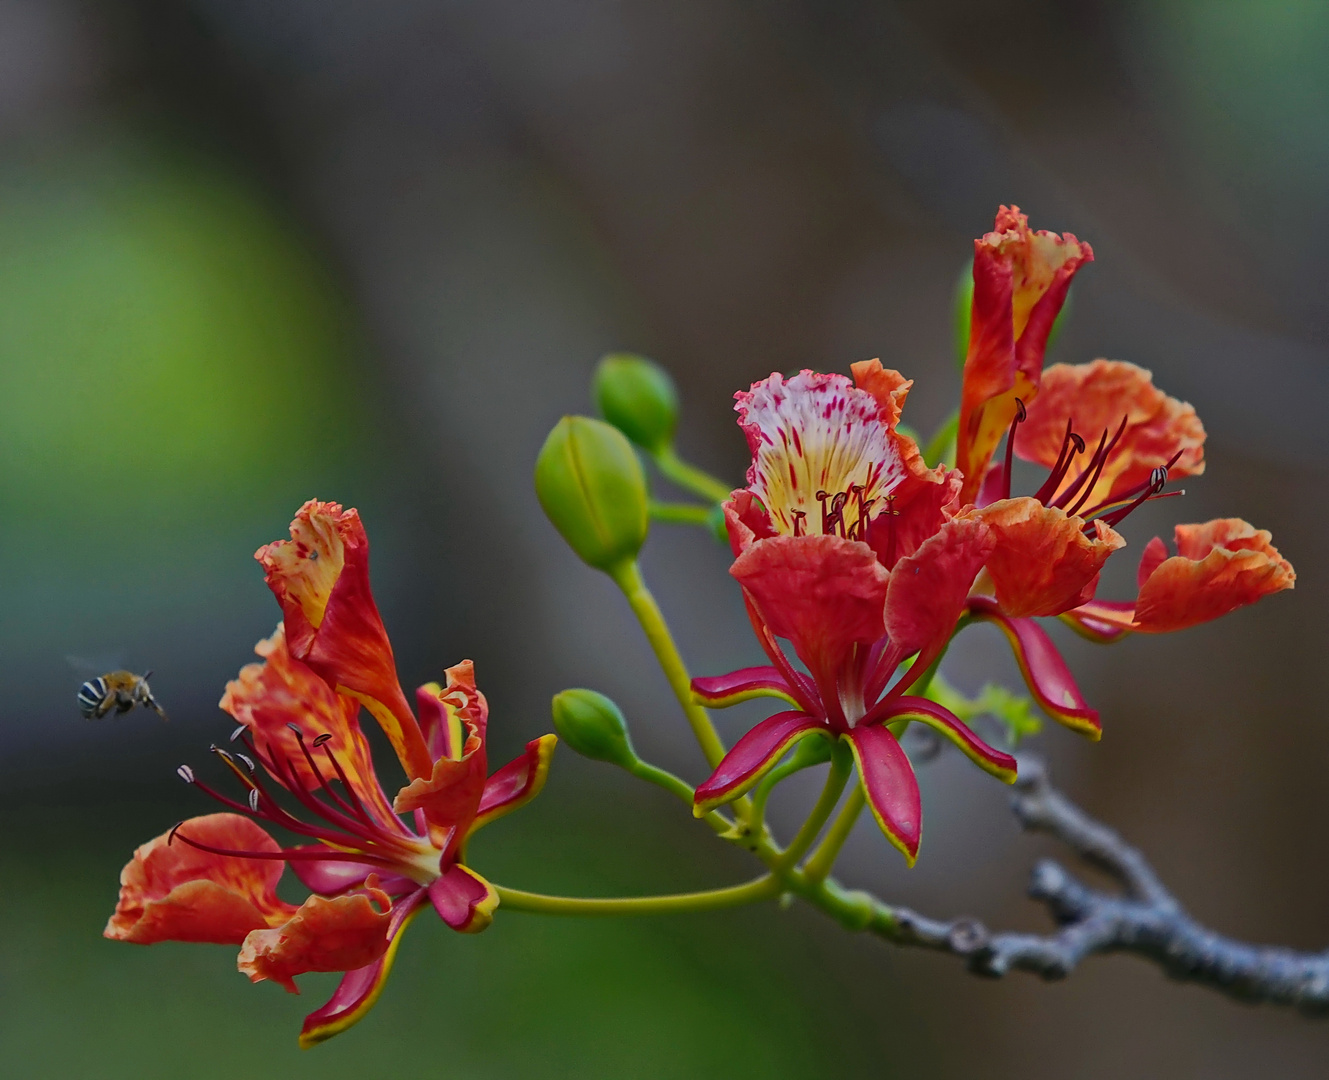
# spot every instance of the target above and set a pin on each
(1095, 397)
(321, 578)
(1043, 563)
(450, 796)
(927, 591)
(267, 697)
(339, 934)
(1020, 283)
(1221, 565)
(175, 892)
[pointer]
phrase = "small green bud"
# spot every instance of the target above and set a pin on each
(592, 487)
(593, 726)
(638, 397)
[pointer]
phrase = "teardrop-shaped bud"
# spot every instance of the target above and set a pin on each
(638, 397)
(592, 488)
(593, 726)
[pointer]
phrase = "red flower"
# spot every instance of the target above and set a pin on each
(847, 547)
(214, 878)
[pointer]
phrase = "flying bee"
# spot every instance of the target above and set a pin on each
(119, 691)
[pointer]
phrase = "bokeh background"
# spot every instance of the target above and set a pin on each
(255, 251)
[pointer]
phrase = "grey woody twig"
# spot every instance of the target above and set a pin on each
(1144, 918)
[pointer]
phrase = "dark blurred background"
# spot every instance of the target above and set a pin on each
(253, 252)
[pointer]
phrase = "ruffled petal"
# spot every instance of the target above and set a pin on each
(823, 594)
(817, 441)
(746, 520)
(721, 691)
(752, 757)
(517, 783)
(1020, 283)
(338, 934)
(890, 786)
(359, 989)
(175, 892)
(1045, 672)
(944, 722)
(463, 899)
(321, 578)
(268, 697)
(446, 711)
(1042, 562)
(927, 591)
(1095, 397)
(450, 796)
(918, 508)
(1221, 565)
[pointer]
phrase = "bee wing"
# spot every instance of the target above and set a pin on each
(97, 664)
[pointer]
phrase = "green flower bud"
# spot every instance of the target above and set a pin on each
(593, 726)
(638, 397)
(592, 487)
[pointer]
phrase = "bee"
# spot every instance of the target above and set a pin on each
(119, 691)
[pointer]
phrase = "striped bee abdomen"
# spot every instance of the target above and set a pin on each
(91, 695)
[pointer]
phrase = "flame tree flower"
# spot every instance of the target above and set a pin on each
(305, 766)
(846, 545)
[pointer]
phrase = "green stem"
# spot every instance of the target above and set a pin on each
(841, 764)
(941, 447)
(761, 888)
(680, 513)
(627, 576)
(821, 861)
(689, 477)
(653, 774)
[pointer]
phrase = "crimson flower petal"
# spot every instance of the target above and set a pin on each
(463, 899)
(752, 757)
(824, 594)
(944, 722)
(890, 786)
(927, 591)
(1045, 672)
(517, 783)
(721, 691)
(359, 989)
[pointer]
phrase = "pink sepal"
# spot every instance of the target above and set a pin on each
(1045, 672)
(752, 757)
(463, 899)
(720, 691)
(890, 786)
(944, 722)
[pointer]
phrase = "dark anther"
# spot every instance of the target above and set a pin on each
(253, 800)
(248, 762)
(296, 728)
(1079, 443)
(237, 733)
(325, 737)
(171, 839)
(1020, 413)
(1158, 478)
(185, 773)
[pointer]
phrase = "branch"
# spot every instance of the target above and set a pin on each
(1144, 918)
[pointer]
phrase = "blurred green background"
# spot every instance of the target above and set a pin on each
(252, 253)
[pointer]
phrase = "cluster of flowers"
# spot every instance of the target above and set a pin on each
(856, 553)
(847, 546)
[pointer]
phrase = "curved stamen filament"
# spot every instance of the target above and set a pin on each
(1018, 419)
(1071, 444)
(285, 854)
